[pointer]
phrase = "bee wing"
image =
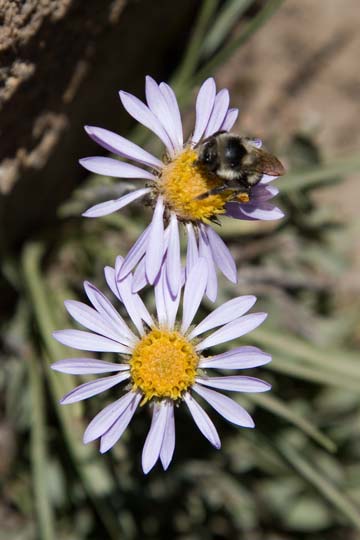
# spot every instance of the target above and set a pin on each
(266, 163)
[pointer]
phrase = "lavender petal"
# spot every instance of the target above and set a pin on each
(92, 388)
(87, 341)
(204, 106)
(139, 279)
(227, 407)
(159, 106)
(171, 302)
(192, 253)
(168, 444)
(105, 418)
(160, 299)
(229, 311)
(235, 383)
(194, 290)
(129, 298)
(239, 358)
(138, 110)
(117, 429)
(173, 264)
(108, 207)
(205, 251)
(202, 421)
(218, 114)
(90, 319)
(155, 249)
(265, 212)
(113, 167)
(173, 106)
(106, 309)
(123, 147)
(232, 330)
(230, 119)
(86, 366)
(155, 437)
(222, 256)
(135, 254)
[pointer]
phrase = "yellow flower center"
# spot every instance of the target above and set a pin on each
(182, 181)
(163, 365)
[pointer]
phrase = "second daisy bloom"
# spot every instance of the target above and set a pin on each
(173, 185)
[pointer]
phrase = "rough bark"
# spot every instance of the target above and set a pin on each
(61, 64)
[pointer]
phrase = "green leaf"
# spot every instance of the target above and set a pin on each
(39, 453)
(278, 407)
(317, 479)
(92, 471)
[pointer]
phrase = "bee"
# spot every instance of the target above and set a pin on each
(237, 162)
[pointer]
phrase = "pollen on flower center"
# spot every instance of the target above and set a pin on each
(163, 365)
(181, 182)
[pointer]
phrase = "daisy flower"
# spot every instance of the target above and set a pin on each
(174, 183)
(162, 362)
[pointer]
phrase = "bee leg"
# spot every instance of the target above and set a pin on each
(214, 191)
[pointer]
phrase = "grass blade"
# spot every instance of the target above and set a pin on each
(39, 455)
(276, 406)
(92, 471)
(312, 475)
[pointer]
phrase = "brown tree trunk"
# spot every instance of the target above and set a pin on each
(62, 63)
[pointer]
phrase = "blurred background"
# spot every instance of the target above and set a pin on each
(292, 68)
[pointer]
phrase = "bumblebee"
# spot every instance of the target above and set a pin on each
(237, 161)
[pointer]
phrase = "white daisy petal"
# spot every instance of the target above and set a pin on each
(108, 207)
(105, 418)
(266, 178)
(232, 330)
(86, 366)
(173, 106)
(218, 114)
(129, 298)
(123, 147)
(204, 106)
(173, 264)
(155, 249)
(168, 444)
(158, 104)
(256, 142)
(106, 309)
(222, 255)
(113, 167)
(227, 407)
(192, 254)
(139, 280)
(109, 273)
(171, 303)
(160, 300)
(117, 429)
(92, 388)
(138, 110)
(155, 437)
(205, 251)
(135, 254)
(194, 290)
(230, 119)
(90, 319)
(235, 383)
(202, 421)
(229, 311)
(265, 212)
(87, 341)
(239, 358)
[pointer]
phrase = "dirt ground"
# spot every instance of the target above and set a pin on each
(300, 74)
